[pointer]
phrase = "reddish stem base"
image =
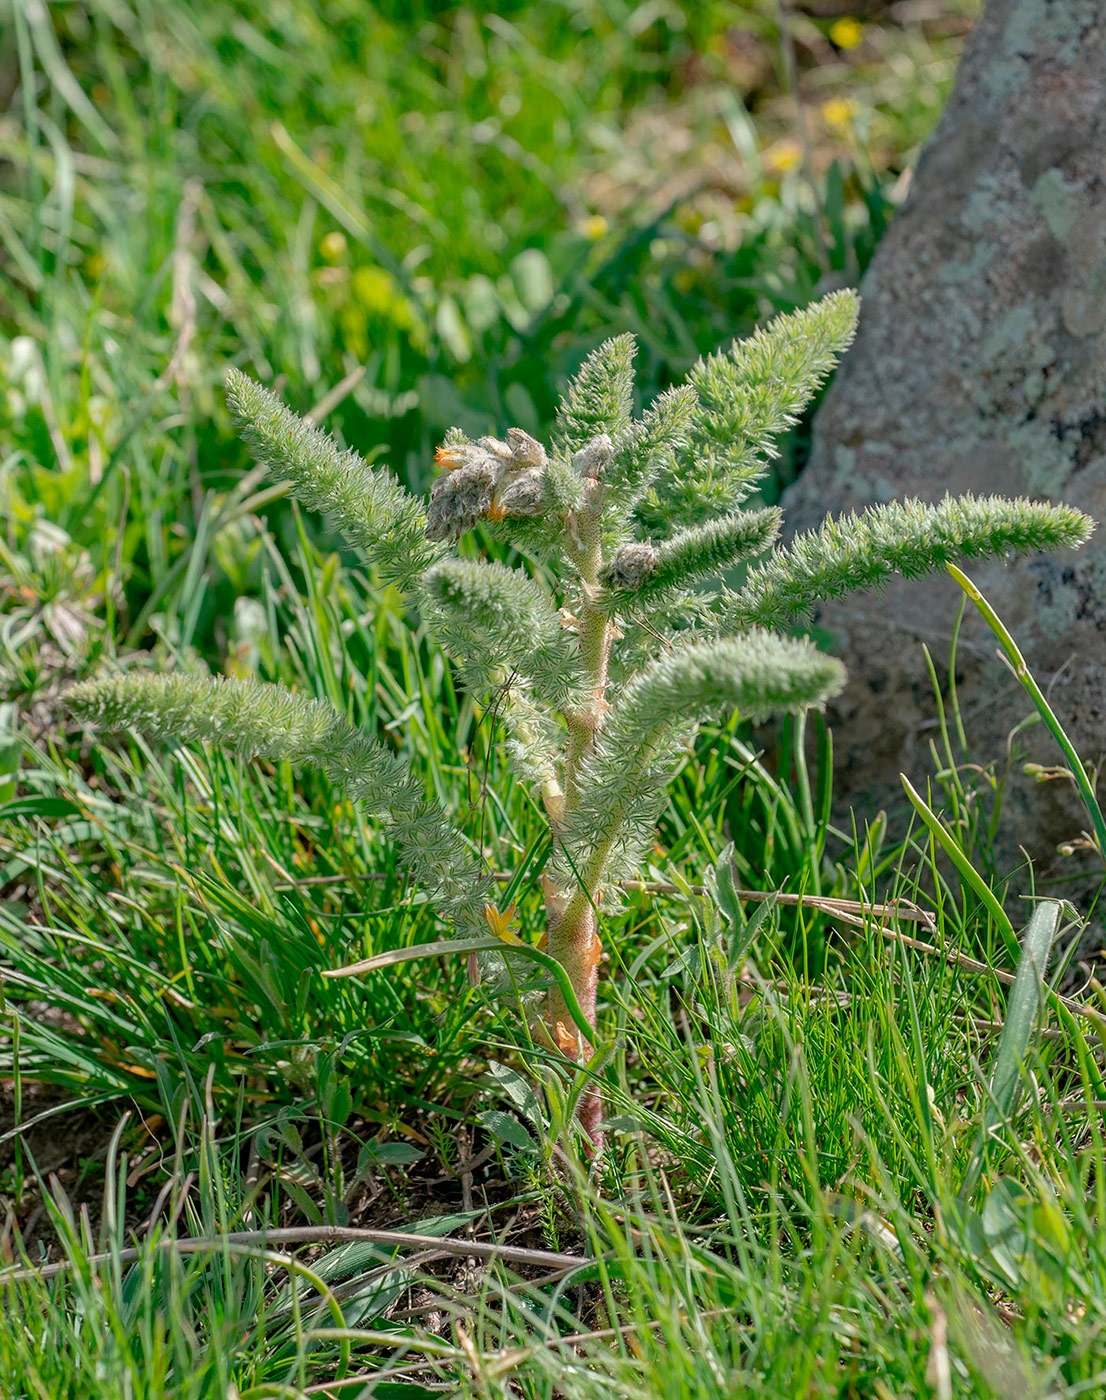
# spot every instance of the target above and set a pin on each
(574, 942)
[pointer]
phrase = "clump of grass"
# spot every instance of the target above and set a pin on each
(799, 1164)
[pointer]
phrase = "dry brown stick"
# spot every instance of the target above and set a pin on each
(1078, 1101)
(363, 1378)
(908, 913)
(953, 955)
(828, 904)
(958, 959)
(984, 1027)
(341, 1291)
(320, 1234)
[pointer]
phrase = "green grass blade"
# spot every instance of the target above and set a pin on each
(1022, 1007)
(966, 870)
(450, 947)
(1021, 1016)
(1028, 683)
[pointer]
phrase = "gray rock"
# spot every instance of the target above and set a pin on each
(980, 365)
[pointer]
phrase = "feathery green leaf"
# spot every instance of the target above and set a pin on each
(644, 449)
(904, 537)
(598, 399)
(500, 622)
(747, 396)
(704, 551)
(369, 505)
(257, 720)
(624, 779)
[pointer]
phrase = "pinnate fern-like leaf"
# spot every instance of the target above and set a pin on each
(623, 781)
(746, 396)
(907, 537)
(500, 622)
(367, 503)
(688, 557)
(600, 396)
(645, 449)
(256, 720)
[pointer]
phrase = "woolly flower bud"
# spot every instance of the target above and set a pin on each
(631, 566)
(524, 494)
(496, 446)
(486, 480)
(594, 455)
(460, 498)
(525, 449)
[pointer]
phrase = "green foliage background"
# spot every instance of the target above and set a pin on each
(406, 216)
(453, 203)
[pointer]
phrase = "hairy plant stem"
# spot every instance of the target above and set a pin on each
(573, 936)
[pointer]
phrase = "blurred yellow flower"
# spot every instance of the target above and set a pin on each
(783, 156)
(838, 113)
(333, 246)
(594, 226)
(846, 32)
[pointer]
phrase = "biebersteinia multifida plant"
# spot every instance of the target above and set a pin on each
(606, 658)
